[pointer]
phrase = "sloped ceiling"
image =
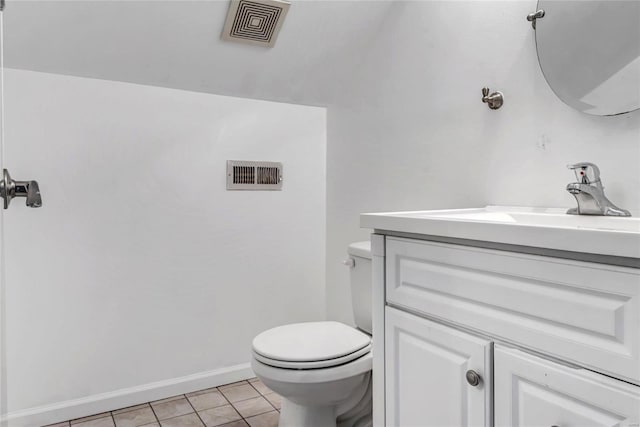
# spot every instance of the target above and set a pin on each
(177, 44)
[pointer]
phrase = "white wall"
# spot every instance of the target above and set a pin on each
(411, 132)
(407, 130)
(141, 276)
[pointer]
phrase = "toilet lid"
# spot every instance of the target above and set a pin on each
(310, 342)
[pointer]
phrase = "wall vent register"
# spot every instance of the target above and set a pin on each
(249, 175)
(256, 22)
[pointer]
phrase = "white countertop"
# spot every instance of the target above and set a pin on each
(550, 228)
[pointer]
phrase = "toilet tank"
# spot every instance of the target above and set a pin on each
(360, 276)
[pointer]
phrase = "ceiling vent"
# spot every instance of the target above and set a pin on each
(246, 175)
(255, 21)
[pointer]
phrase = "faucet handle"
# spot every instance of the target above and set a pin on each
(586, 173)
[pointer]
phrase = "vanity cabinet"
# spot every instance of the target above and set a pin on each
(554, 341)
(426, 366)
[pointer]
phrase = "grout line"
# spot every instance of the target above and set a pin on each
(229, 402)
(130, 408)
(252, 386)
(262, 396)
(225, 397)
(242, 400)
(196, 412)
(232, 405)
(154, 413)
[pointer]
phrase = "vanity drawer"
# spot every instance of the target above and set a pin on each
(582, 312)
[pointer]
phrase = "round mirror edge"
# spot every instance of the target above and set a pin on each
(535, 37)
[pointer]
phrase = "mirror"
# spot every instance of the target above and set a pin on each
(589, 52)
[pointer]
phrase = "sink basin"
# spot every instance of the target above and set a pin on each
(548, 228)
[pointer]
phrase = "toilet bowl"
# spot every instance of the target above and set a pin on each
(322, 370)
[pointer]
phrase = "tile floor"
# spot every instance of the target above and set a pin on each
(245, 403)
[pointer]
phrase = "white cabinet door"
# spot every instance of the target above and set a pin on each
(426, 365)
(534, 392)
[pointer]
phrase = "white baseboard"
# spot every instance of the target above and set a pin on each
(97, 403)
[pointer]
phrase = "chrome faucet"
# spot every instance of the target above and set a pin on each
(589, 193)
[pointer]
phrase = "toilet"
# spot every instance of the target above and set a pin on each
(322, 370)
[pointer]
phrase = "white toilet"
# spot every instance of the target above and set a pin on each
(322, 370)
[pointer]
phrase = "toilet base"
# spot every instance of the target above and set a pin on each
(354, 412)
(293, 415)
(335, 396)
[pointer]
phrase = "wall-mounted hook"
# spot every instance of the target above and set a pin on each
(494, 101)
(532, 17)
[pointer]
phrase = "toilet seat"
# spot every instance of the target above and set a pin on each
(310, 345)
(313, 364)
(312, 376)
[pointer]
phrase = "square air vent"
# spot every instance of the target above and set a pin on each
(255, 21)
(246, 175)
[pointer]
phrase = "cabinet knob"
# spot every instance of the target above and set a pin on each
(473, 378)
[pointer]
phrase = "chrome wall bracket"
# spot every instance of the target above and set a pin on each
(1, 5)
(532, 17)
(10, 188)
(494, 101)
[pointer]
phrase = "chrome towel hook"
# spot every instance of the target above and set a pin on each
(532, 17)
(494, 101)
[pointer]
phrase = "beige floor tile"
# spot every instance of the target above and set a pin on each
(168, 399)
(151, 425)
(171, 408)
(218, 416)
(270, 419)
(207, 400)
(239, 423)
(262, 389)
(222, 387)
(130, 408)
(189, 420)
(240, 392)
(253, 379)
(275, 399)
(92, 417)
(251, 407)
(98, 422)
(206, 390)
(64, 424)
(135, 418)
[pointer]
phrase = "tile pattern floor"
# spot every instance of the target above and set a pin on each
(245, 403)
